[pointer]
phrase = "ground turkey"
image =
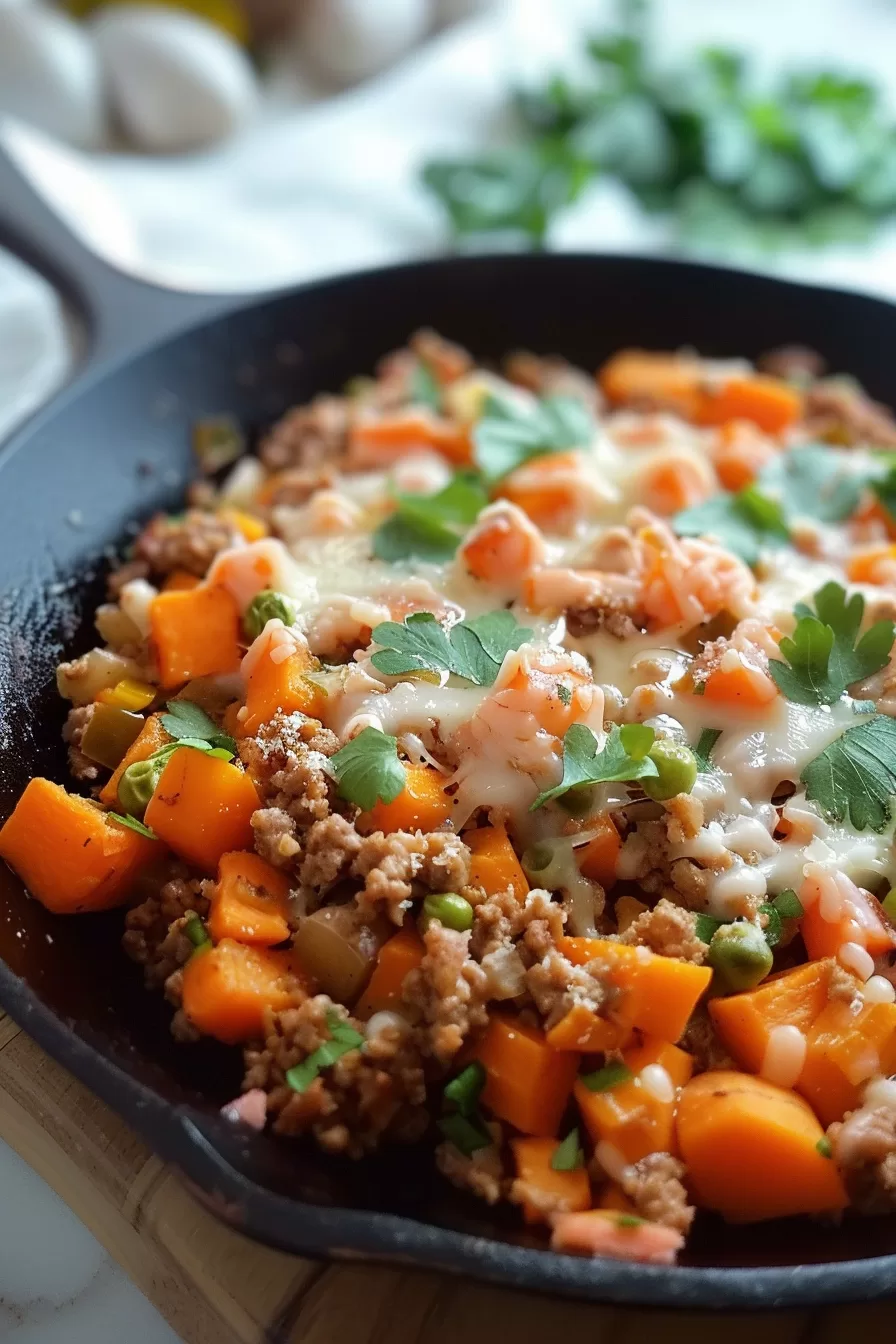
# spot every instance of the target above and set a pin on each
(450, 991)
(864, 1147)
(308, 436)
(146, 938)
(189, 542)
(654, 1185)
(81, 766)
(668, 930)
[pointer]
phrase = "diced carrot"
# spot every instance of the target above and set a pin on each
(843, 1050)
(550, 686)
(857, 918)
(445, 359)
(379, 441)
(67, 852)
(180, 581)
(751, 1149)
(502, 545)
(600, 856)
(495, 866)
(248, 525)
(558, 1191)
(250, 902)
(231, 721)
(743, 685)
(616, 1236)
(195, 634)
(422, 805)
(674, 481)
(656, 994)
(582, 1030)
(770, 403)
(794, 998)
(873, 564)
(284, 686)
(151, 737)
(202, 807)
(527, 1084)
(397, 957)
(630, 1116)
(657, 379)
(554, 491)
(227, 988)
(739, 453)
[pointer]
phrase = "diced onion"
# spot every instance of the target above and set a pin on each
(785, 1055)
(878, 990)
(855, 958)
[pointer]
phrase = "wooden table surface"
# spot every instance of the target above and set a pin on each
(216, 1287)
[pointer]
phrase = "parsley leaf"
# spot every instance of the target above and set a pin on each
(705, 926)
(367, 769)
(507, 435)
(813, 481)
(133, 824)
(622, 757)
(568, 1155)
(472, 649)
(855, 776)
(823, 657)
(424, 389)
(703, 750)
(745, 523)
(343, 1038)
(885, 489)
(190, 726)
(788, 904)
(428, 527)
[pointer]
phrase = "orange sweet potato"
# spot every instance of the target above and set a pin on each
(495, 866)
(873, 564)
(629, 1115)
(581, 1029)
(552, 491)
(250, 902)
(379, 441)
(196, 633)
(282, 686)
(742, 687)
(180, 581)
(202, 807)
(770, 403)
(843, 1050)
(558, 1191)
(527, 1084)
(600, 856)
(151, 737)
(739, 453)
(227, 988)
(751, 1149)
(795, 998)
(657, 994)
(860, 920)
(674, 481)
(69, 855)
(422, 805)
(402, 954)
(502, 546)
(612, 1235)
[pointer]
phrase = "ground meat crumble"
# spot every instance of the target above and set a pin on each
(669, 930)
(654, 1185)
(147, 927)
(81, 766)
(190, 542)
(864, 1148)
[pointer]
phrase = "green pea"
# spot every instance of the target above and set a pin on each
(537, 858)
(676, 770)
(268, 605)
(137, 786)
(740, 956)
(449, 909)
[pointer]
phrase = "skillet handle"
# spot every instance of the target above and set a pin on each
(121, 312)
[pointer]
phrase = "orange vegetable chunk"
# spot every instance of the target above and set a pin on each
(528, 1084)
(151, 737)
(794, 998)
(227, 988)
(843, 1050)
(600, 856)
(397, 957)
(281, 686)
(607, 1234)
(180, 581)
(379, 441)
(566, 1191)
(658, 993)
(67, 852)
(630, 1116)
(196, 633)
(744, 687)
(250, 902)
(495, 866)
(770, 403)
(860, 920)
(502, 546)
(422, 805)
(751, 1149)
(202, 807)
(581, 1029)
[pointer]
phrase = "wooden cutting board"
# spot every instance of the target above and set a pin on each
(216, 1287)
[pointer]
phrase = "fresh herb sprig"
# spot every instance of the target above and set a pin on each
(367, 769)
(507, 435)
(825, 655)
(430, 527)
(623, 757)
(343, 1038)
(855, 777)
(473, 649)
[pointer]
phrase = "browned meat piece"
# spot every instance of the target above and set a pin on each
(391, 864)
(147, 927)
(654, 1185)
(81, 766)
(286, 760)
(190, 542)
(839, 411)
(793, 363)
(669, 930)
(450, 991)
(308, 436)
(864, 1148)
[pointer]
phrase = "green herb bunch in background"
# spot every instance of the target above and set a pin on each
(808, 159)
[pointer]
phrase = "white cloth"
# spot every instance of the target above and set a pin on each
(319, 187)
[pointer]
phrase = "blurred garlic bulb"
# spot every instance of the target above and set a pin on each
(345, 41)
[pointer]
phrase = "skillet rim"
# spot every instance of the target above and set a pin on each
(176, 1131)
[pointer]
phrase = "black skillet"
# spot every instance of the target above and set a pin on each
(114, 446)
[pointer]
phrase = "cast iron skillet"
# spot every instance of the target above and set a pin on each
(113, 447)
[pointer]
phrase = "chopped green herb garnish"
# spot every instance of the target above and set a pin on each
(564, 692)
(703, 750)
(343, 1038)
(813, 481)
(705, 926)
(746, 523)
(855, 776)
(772, 930)
(823, 1146)
(192, 727)
(507, 434)
(611, 1075)
(429, 527)
(197, 933)
(473, 649)
(788, 904)
(463, 1091)
(622, 757)
(424, 389)
(367, 769)
(467, 1134)
(133, 824)
(628, 1220)
(568, 1156)
(824, 656)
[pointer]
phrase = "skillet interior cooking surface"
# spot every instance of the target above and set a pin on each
(115, 448)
